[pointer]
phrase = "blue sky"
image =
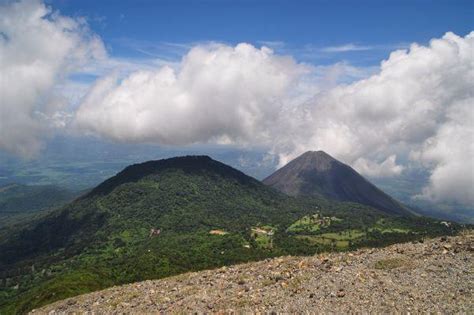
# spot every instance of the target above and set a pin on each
(322, 32)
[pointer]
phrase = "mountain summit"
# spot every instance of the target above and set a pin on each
(316, 173)
(191, 164)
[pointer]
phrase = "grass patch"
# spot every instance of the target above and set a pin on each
(263, 236)
(311, 223)
(338, 240)
(318, 240)
(344, 235)
(386, 226)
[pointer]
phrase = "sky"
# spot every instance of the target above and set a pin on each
(364, 31)
(385, 86)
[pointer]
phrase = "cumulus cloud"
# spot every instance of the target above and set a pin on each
(416, 109)
(387, 168)
(451, 151)
(218, 93)
(38, 48)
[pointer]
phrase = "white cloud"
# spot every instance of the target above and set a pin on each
(157, 50)
(451, 151)
(219, 93)
(416, 109)
(122, 67)
(387, 168)
(38, 48)
(345, 48)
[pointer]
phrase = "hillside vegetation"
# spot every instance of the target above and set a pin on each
(103, 239)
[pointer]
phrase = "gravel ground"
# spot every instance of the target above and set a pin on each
(435, 276)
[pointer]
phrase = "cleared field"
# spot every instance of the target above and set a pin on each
(318, 240)
(263, 236)
(311, 223)
(217, 232)
(383, 226)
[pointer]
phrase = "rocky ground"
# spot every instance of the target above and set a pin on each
(433, 276)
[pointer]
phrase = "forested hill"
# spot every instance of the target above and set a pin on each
(187, 164)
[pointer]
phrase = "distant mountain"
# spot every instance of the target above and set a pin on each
(316, 173)
(166, 217)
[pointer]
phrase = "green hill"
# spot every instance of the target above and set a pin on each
(208, 215)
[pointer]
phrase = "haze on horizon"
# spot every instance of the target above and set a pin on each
(375, 86)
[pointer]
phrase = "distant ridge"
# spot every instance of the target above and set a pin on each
(317, 173)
